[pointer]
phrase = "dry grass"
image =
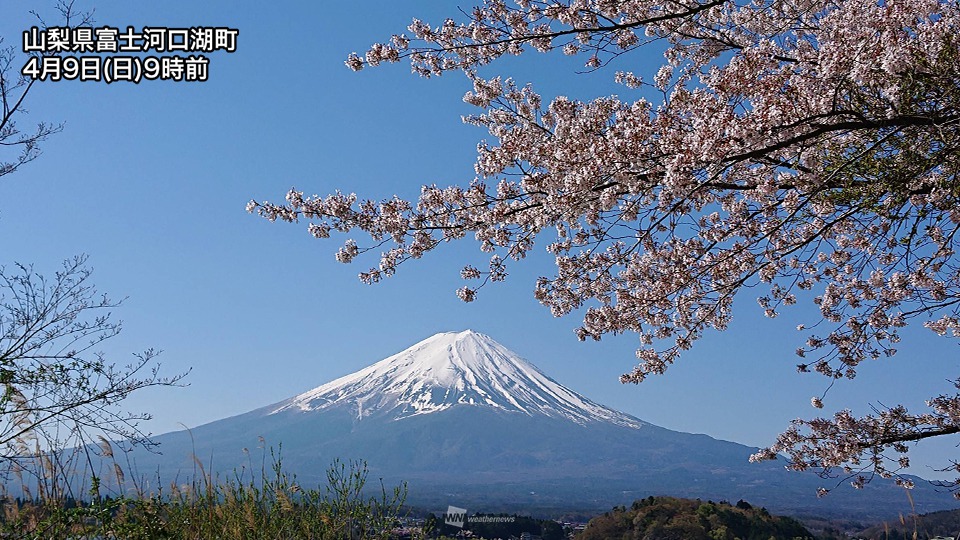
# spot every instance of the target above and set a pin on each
(274, 505)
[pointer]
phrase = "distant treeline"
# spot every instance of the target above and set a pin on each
(669, 518)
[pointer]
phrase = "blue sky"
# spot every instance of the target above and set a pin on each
(151, 181)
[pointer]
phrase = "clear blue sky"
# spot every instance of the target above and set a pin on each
(151, 181)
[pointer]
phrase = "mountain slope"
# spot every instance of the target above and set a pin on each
(467, 422)
(451, 369)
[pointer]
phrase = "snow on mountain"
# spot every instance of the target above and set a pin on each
(462, 419)
(453, 369)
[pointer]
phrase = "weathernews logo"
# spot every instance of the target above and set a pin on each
(457, 517)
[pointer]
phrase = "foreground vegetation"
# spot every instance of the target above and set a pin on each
(945, 523)
(271, 506)
(274, 505)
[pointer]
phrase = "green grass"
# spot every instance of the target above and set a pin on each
(272, 506)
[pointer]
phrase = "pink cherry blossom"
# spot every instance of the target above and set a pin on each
(799, 147)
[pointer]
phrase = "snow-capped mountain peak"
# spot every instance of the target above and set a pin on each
(454, 369)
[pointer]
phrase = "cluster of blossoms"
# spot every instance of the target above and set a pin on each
(809, 147)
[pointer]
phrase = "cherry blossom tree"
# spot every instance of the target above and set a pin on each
(806, 147)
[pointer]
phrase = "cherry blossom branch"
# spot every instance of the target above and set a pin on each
(808, 150)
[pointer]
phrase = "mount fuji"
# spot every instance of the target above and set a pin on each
(465, 421)
(450, 370)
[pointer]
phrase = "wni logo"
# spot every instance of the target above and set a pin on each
(455, 517)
